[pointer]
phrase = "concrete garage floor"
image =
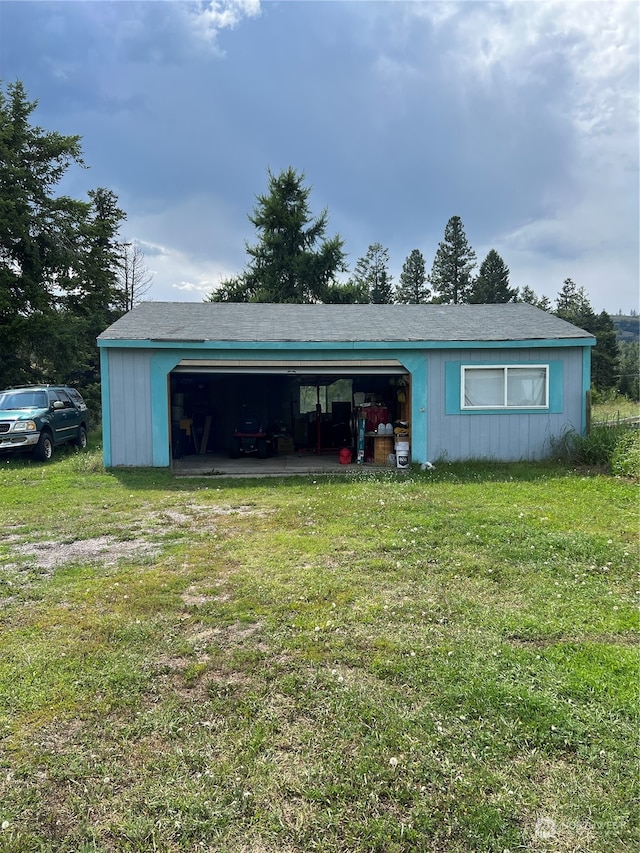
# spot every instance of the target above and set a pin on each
(215, 464)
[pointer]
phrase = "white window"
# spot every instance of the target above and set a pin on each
(505, 387)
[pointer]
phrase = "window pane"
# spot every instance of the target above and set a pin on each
(339, 392)
(526, 386)
(484, 387)
(309, 398)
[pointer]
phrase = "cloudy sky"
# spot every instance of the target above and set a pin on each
(519, 117)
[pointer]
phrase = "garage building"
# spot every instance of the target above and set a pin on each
(457, 381)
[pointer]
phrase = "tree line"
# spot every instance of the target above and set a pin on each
(65, 271)
(294, 261)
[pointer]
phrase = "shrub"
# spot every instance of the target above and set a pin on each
(593, 449)
(625, 460)
(613, 446)
(596, 448)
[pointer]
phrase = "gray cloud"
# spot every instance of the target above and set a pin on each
(519, 117)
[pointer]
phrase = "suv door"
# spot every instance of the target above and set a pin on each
(63, 415)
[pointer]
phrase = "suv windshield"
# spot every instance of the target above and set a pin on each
(24, 400)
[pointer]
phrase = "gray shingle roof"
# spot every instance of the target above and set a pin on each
(235, 322)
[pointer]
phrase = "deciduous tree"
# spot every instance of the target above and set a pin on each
(135, 279)
(348, 293)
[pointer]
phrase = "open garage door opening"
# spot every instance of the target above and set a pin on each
(285, 408)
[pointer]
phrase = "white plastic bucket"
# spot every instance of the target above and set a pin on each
(402, 454)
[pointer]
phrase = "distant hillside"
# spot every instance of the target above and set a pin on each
(627, 327)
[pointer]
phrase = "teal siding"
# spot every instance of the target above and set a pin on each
(105, 395)
(453, 395)
(136, 417)
(127, 421)
(507, 435)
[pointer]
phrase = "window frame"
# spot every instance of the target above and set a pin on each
(505, 406)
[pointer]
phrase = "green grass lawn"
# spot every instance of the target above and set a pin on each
(437, 661)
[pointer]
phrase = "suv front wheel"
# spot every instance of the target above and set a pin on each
(44, 447)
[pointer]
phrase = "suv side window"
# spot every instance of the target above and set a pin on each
(53, 396)
(62, 395)
(76, 397)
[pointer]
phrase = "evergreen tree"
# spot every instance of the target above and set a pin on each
(93, 293)
(492, 284)
(453, 265)
(345, 294)
(526, 294)
(39, 234)
(605, 364)
(629, 369)
(93, 286)
(573, 305)
(292, 260)
(371, 276)
(230, 290)
(412, 287)
(59, 257)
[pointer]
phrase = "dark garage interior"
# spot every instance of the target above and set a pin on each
(232, 413)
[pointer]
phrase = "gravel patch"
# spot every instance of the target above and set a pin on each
(106, 550)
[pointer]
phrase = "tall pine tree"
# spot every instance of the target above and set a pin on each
(605, 356)
(292, 261)
(492, 284)
(38, 234)
(573, 305)
(412, 287)
(59, 257)
(371, 275)
(94, 295)
(453, 265)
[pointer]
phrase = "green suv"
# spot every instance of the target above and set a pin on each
(38, 418)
